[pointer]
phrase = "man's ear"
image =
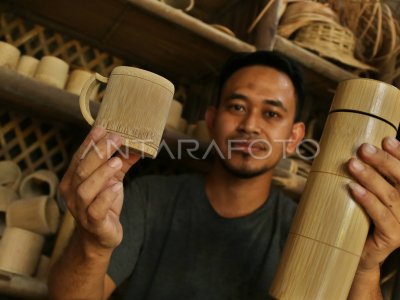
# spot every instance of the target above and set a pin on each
(210, 116)
(296, 136)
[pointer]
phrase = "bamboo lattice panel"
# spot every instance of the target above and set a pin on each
(38, 41)
(32, 144)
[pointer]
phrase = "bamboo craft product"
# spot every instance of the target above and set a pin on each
(135, 105)
(185, 5)
(64, 234)
(20, 251)
(40, 215)
(329, 230)
(9, 55)
(10, 174)
(303, 13)
(27, 65)
(52, 71)
(76, 81)
(7, 195)
(39, 183)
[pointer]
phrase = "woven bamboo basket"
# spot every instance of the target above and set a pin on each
(303, 13)
(332, 41)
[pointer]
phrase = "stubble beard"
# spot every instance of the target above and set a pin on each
(243, 172)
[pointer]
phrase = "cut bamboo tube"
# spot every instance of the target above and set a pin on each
(40, 215)
(27, 65)
(20, 251)
(53, 71)
(135, 105)
(10, 174)
(39, 183)
(329, 230)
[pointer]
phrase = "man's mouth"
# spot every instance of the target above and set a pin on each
(248, 146)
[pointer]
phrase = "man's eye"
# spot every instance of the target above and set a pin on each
(236, 107)
(271, 114)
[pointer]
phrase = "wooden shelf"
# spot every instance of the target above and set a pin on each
(22, 286)
(36, 99)
(156, 36)
(148, 33)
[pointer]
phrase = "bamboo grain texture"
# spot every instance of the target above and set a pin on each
(329, 229)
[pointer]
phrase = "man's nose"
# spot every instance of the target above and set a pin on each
(250, 123)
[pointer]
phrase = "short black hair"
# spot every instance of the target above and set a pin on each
(274, 60)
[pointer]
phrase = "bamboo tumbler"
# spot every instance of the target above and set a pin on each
(135, 105)
(329, 229)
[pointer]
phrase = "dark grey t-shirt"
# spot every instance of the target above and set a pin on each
(176, 247)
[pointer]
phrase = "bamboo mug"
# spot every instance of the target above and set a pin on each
(135, 105)
(329, 229)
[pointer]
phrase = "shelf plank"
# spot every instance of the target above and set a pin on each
(38, 100)
(146, 33)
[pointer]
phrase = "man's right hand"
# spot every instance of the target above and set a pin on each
(93, 190)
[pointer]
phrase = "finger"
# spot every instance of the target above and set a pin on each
(371, 180)
(98, 181)
(92, 138)
(380, 215)
(387, 164)
(392, 146)
(101, 207)
(96, 155)
(127, 162)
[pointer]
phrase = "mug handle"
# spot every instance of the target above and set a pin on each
(86, 91)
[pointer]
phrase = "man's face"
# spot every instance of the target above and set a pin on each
(254, 121)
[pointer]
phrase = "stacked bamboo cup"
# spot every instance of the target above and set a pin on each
(31, 214)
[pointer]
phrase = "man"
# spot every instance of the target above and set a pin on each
(217, 237)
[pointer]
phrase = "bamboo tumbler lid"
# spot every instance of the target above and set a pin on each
(20, 251)
(329, 229)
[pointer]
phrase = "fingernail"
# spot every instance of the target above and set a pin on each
(370, 149)
(114, 162)
(357, 165)
(116, 187)
(357, 189)
(392, 142)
